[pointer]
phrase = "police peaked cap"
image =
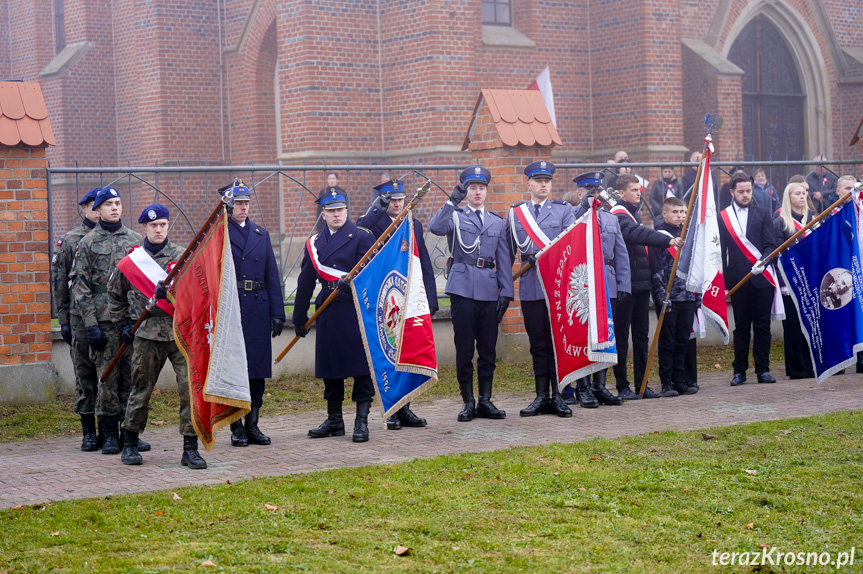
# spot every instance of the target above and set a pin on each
(104, 195)
(333, 198)
(153, 213)
(394, 188)
(475, 174)
(589, 179)
(91, 196)
(539, 169)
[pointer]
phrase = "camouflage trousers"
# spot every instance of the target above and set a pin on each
(113, 394)
(148, 358)
(86, 380)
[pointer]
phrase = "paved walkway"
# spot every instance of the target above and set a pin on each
(33, 472)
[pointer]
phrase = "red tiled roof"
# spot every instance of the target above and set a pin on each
(520, 117)
(23, 116)
(858, 133)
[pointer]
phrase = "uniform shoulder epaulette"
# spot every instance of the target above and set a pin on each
(364, 229)
(560, 202)
(517, 204)
(495, 214)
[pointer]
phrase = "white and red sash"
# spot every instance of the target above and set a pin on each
(530, 226)
(143, 273)
(620, 209)
(326, 273)
(753, 254)
(672, 250)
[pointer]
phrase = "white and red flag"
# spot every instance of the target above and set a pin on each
(143, 273)
(701, 260)
(572, 274)
(543, 84)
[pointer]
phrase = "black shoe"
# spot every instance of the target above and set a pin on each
(738, 379)
(468, 412)
(130, 454)
(684, 389)
(88, 429)
(191, 457)
(667, 390)
(393, 423)
(238, 434)
(603, 396)
(253, 433)
(112, 436)
(765, 378)
(569, 396)
(693, 387)
(626, 394)
(361, 423)
(408, 419)
(559, 408)
(333, 426)
(587, 400)
(649, 394)
(539, 406)
(143, 446)
(485, 409)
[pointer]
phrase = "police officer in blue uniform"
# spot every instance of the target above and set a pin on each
(551, 218)
(339, 350)
(479, 284)
(383, 211)
(262, 306)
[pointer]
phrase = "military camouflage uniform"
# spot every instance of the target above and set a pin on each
(97, 258)
(154, 344)
(68, 314)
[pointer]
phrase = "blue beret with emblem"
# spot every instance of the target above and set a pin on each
(475, 174)
(333, 198)
(395, 189)
(539, 169)
(589, 179)
(104, 195)
(154, 212)
(91, 196)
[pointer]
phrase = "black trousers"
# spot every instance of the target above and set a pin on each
(690, 365)
(752, 318)
(673, 341)
(474, 325)
(538, 327)
(798, 360)
(633, 313)
(256, 389)
(334, 389)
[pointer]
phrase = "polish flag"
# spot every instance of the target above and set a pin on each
(543, 84)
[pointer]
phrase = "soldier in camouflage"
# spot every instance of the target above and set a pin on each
(97, 257)
(72, 326)
(152, 343)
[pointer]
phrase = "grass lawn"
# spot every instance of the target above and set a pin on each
(661, 502)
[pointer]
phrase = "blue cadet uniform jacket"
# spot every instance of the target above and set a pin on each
(554, 218)
(339, 351)
(617, 270)
(377, 221)
(471, 247)
(260, 289)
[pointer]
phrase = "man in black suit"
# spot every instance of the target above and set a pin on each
(747, 235)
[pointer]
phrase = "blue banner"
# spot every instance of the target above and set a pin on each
(824, 276)
(379, 295)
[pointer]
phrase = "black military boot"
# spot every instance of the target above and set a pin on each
(130, 455)
(556, 406)
(667, 390)
(142, 446)
(408, 418)
(253, 433)
(540, 404)
(88, 428)
(361, 423)
(238, 433)
(393, 422)
(112, 436)
(334, 425)
(597, 387)
(191, 457)
(468, 409)
(485, 409)
(587, 400)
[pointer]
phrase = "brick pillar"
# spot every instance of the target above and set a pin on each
(26, 374)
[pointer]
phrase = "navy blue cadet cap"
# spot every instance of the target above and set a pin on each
(154, 212)
(589, 179)
(333, 198)
(475, 174)
(395, 189)
(104, 195)
(537, 169)
(91, 196)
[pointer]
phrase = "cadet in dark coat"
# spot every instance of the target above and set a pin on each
(339, 350)
(385, 208)
(262, 306)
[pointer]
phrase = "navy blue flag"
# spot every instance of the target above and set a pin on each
(824, 276)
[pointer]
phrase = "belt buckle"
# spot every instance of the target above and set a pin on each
(480, 262)
(247, 285)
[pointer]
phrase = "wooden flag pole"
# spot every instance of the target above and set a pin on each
(421, 192)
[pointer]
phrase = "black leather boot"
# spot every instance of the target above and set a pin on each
(407, 418)
(88, 429)
(597, 387)
(485, 409)
(191, 457)
(238, 433)
(112, 435)
(587, 400)
(334, 425)
(556, 405)
(540, 404)
(142, 446)
(468, 409)
(253, 433)
(361, 423)
(393, 422)
(130, 455)
(666, 390)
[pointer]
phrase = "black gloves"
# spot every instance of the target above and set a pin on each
(458, 194)
(383, 201)
(344, 286)
(276, 325)
(97, 339)
(161, 291)
(585, 201)
(531, 258)
(502, 306)
(299, 327)
(66, 331)
(126, 333)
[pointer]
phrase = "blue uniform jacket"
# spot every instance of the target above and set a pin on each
(377, 221)
(254, 261)
(617, 270)
(339, 351)
(466, 280)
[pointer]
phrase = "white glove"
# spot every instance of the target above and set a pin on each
(785, 290)
(758, 268)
